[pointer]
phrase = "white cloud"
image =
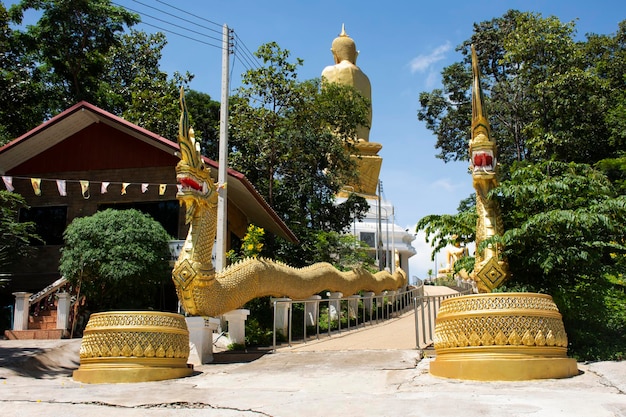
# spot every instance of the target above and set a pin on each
(432, 80)
(422, 62)
(420, 263)
(444, 184)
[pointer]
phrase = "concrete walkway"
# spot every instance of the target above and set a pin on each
(328, 378)
(397, 333)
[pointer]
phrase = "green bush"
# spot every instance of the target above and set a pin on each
(119, 259)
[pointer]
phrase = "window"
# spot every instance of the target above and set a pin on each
(164, 212)
(369, 238)
(50, 221)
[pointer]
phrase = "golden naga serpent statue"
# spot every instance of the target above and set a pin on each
(489, 270)
(204, 292)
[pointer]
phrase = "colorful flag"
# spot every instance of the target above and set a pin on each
(8, 182)
(144, 187)
(124, 185)
(62, 187)
(84, 186)
(103, 187)
(36, 183)
(162, 188)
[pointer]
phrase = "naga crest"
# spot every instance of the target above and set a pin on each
(194, 177)
(482, 148)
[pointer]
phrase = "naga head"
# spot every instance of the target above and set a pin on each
(192, 174)
(482, 148)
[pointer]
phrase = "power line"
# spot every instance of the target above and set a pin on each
(248, 56)
(247, 52)
(178, 17)
(239, 49)
(181, 35)
(191, 14)
(244, 59)
(170, 23)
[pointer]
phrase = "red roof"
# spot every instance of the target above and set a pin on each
(62, 137)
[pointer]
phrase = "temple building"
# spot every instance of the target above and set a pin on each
(86, 159)
(390, 244)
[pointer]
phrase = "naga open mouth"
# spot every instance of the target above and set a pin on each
(482, 161)
(191, 184)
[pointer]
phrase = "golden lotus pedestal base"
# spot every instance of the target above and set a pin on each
(501, 337)
(133, 346)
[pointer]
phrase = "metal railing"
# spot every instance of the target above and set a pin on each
(56, 285)
(426, 308)
(315, 318)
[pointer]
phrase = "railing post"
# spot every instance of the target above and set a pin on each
(353, 308)
(334, 309)
(392, 300)
(274, 326)
(417, 330)
(63, 310)
(311, 310)
(368, 304)
(281, 319)
(237, 325)
(22, 305)
(201, 338)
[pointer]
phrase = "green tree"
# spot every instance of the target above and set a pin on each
(548, 96)
(556, 109)
(78, 50)
(566, 236)
(135, 57)
(292, 140)
(205, 115)
(15, 236)
(154, 103)
(447, 111)
(70, 44)
(118, 259)
(21, 89)
(345, 251)
(442, 230)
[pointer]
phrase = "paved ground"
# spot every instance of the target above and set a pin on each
(373, 372)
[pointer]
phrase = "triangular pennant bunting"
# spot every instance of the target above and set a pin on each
(62, 187)
(84, 186)
(36, 183)
(103, 187)
(8, 182)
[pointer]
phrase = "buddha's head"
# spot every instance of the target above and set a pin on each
(344, 48)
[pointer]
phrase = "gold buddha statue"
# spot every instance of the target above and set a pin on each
(345, 71)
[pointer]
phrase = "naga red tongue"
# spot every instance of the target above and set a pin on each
(190, 183)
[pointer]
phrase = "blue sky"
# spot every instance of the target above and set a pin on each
(403, 47)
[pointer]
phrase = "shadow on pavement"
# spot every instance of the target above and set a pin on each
(38, 362)
(240, 356)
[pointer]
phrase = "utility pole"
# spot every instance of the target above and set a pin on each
(379, 250)
(222, 173)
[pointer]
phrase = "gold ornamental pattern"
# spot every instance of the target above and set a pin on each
(124, 319)
(499, 301)
(135, 334)
(507, 319)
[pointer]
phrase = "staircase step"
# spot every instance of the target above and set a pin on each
(42, 325)
(46, 320)
(46, 313)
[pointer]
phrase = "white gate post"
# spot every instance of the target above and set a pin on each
(63, 310)
(20, 315)
(237, 325)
